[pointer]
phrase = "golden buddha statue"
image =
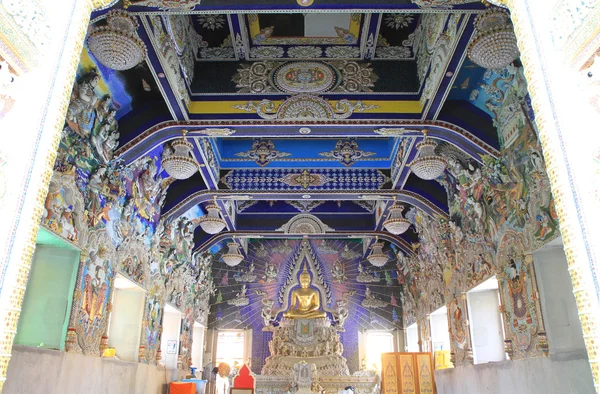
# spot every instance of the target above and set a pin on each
(305, 302)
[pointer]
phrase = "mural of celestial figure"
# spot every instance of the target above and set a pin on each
(97, 275)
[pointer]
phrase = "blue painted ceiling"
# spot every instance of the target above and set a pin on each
(262, 172)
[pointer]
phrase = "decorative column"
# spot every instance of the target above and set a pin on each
(40, 44)
(558, 42)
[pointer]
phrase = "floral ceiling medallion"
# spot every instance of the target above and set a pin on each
(348, 152)
(398, 21)
(262, 152)
(211, 22)
(305, 77)
(305, 179)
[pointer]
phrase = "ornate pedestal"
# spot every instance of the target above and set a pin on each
(313, 341)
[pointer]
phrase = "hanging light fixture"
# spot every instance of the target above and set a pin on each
(377, 257)
(428, 165)
(233, 256)
(494, 44)
(117, 45)
(396, 223)
(180, 164)
(212, 223)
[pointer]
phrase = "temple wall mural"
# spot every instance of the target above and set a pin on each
(112, 213)
(355, 295)
(501, 210)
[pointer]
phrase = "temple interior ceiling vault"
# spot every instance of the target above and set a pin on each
(247, 139)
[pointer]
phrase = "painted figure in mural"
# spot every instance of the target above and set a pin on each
(96, 188)
(83, 101)
(58, 214)
(305, 302)
(270, 272)
(154, 321)
(96, 282)
(342, 312)
(267, 309)
(348, 253)
(403, 268)
(106, 138)
(338, 272)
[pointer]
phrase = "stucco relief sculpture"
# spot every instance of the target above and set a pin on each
(112, 212)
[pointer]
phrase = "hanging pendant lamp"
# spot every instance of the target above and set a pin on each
(428, 165)
(377, 257)
(180, 164)
(233, 256)
(396, 223)
(212, 223)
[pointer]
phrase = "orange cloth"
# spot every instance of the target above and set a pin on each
(182, 388)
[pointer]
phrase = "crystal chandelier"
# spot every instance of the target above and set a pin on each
(180, 164)
(117, 45)
(233, 256)
(428, 165)
(212, 223)
(396, 223)
(494, 44)
(377, 257)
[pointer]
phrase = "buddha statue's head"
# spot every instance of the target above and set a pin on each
(305, 278)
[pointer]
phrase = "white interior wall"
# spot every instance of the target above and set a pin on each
(125, 325)
(487, 333)
(565, 371)
(198, 346)
(412, 338)
(399, 340)
(210, 339)
(42, 371)
(557, 374)
(439, 329)
(171, 331)
(558, 302)
(247, 345)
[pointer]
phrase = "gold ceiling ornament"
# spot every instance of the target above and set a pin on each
(212, 223)
(396, 223)
(117, 44)
(377, 257)
(233, 256)
(494, 44)
(178, 160)
(428, 165)
(305, 3)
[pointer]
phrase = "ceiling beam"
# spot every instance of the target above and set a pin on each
(404, 196)
(161, 71)
(165, 131)
(258, 7)
(450, 72)
(399, 242)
